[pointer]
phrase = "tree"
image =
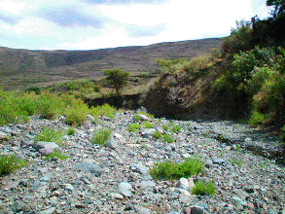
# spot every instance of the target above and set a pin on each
(279, 7)
(116, 78)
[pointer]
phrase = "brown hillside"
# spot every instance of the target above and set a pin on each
(20, 69)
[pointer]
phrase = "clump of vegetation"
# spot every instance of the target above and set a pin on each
(147, 125)
(156, 134)
(172, 170)
(165, 127)
(57, 154)
(204, 188)
(168, 138)
(70, 131)
(117, 79)
(50, 135)
(10, 163)
(143, 146)
(175, 128)
(101, 136)
(106, 110)
(134, 127)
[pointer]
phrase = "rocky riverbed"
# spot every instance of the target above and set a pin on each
(115, 178)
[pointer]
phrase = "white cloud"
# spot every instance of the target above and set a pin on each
(173, 20)
(12, 7)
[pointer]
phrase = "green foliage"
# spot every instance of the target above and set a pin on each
(10, 163)
(37, 90)
(156, 134)
(57, 154)
(147, 125)
(78, 113)
(168, 138)
(117, 79)
(172, 170)
(70, 131)
(168, 65)
(239, 40)
(134, 127)
(104, 110)
(204, 188)
(256, 119)
(50, 135)
(175, 128)
(101, 136)
(143, 146)
(165, 127)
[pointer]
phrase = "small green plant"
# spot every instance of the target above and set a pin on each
(206, 134)
(143, 146)
(137, 117)
(168, 138)
(165, 128)
(10, 163)
(172, 170)
(57, 154)
(50, 135)
(222, 153)
(70, 131)
(7, 138)
(156, 134)
(237, 148)
(204, 188)
(147, 125)
(134, 127)
(101, 136)
(175, 128)
(237, 162)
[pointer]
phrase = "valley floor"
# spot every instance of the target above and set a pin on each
(115, 178)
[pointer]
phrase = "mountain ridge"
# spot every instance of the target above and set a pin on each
(20, 68)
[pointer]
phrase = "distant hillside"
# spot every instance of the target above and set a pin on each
(25, 68)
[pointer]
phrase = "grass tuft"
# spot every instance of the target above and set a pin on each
(168, 138)
(172, 170)
(134, 127)
(101, 136)
(156, 134)
(57, 154)
(204, 188)
(10, 163)
(50, 135)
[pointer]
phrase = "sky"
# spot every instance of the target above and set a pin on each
(97, 24)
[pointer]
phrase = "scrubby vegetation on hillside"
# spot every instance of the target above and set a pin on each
(244, 80)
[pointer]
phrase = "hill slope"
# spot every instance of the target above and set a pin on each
(24, 68)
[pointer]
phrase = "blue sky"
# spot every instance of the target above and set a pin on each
(96, 24)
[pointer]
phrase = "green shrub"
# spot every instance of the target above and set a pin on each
(101, 136)
(283, 134)
(77, 113)
(134, 127)
(70, 131)
(204, 188)
(256, 119)
(175, 128)
(50, 135)
(10, 163)
(57, 154)
(165, 127)
(168, 138)
(143, 146)
(172, 170)
(147, 125)
(156, 134)
(104, 110)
